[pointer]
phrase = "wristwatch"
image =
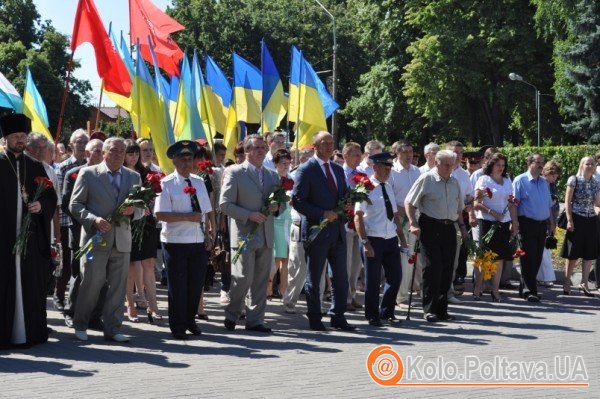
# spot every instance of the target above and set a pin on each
(364, 241)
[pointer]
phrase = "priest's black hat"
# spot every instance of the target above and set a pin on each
(183, 147)
(14, 123)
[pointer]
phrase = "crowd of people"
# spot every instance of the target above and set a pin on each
(407, 235)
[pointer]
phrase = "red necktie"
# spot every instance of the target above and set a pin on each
(330, 181)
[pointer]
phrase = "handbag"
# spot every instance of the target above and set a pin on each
(551, 242)
(562, 218)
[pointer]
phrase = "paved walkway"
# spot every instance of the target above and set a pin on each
(296, 362)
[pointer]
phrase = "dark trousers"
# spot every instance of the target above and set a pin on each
(225, 280)
(186, 270)
(387, 254)
(461, 267)
(533, 238)
(328, 246)
(65, 276)
(438, 249)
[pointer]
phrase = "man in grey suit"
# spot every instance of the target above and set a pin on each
(243, 193)
(98, 191)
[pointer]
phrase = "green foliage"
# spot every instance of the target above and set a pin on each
(26, 41)
(123, 127)
(568, 156)
(583, 73)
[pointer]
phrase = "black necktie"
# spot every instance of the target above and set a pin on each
(194, 198)
(388, 204)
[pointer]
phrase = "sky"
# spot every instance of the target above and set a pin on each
(62, 15)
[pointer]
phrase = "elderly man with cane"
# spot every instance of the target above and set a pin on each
(437, 196)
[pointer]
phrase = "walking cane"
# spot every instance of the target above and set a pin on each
(413, 261)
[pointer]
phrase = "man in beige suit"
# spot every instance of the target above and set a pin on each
(245, 188)
(98, 191)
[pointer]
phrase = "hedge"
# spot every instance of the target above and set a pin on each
(567, 156)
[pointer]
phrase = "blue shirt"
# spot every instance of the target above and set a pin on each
(349, 172)
(533, 196)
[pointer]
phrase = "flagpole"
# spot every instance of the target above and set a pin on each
(119, 121)
(99, 105)
(64, 99)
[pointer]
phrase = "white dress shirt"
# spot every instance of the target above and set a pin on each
(375, 216)
(174, 199)
(466, 188)
(365, 168)
(425, 168)
(268, 162)
(404, 178)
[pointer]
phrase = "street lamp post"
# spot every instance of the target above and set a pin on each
(334, 73)
(519, 78)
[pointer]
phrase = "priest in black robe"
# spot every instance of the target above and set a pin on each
(22, 277)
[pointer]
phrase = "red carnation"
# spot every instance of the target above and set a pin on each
(287, 184)
(358, 177)
(44, 182)
(513, 200)
(350, 216)
(74, 175)
(53, 253)
(488, 192)
(413, 259)
(189, 190)
(205, 167)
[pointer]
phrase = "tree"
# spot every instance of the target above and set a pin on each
(26, 41)
(583, 73)
(461, 59)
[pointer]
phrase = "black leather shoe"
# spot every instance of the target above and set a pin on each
(195, 330)
(342, 325)
(229, 325)
(393, 321)
(446, 317)
(59, 304)
(96, 325)
(430, 317)
(317, 326)
(68, 321)
(259, 328)
(180, 336)
(375, 323)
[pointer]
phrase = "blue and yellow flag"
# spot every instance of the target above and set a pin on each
(201, 101)
(152, 116)
(314, 99)
(187, 124)
(247, 87)
(274, 102)
(294, 92)
(123, 50)
(164, 96)
(34, 108)
(218, 95)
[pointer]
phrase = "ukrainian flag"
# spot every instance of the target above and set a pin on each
(34, 108)
(152, 116)
(201, 101)
(274, 103)
(164, 96)
(187, 124)
(9, 96)
(218, 94)
(316, 104)
(294, 92)
(232, 131)
(123, 50)
(247, 88)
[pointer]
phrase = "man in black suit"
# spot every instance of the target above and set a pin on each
(320, 185)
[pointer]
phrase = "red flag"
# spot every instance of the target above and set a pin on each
(148, 20)
(89, 28)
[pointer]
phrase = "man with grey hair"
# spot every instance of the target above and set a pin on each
(93, 155)
(38, 147)
(438, 198)
(77, 143)
(99, 190)
(372, 147)
(243, 193)
(430, 150)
